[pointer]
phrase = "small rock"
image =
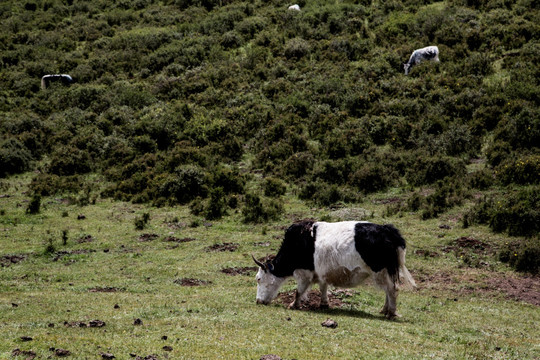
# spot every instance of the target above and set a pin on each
(116, 306)
(164, 337)
(167, 348)
(107, 356)
(51, 325)
(137, 322)
(81, 217)
(26, 338)
(329, 323)
(14, 305)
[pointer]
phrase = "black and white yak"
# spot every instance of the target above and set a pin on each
(64, 79)
(342, 254)
(420, 55)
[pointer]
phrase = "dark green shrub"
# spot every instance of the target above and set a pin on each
(481, 179)
(49, 184)
(523, 171)
(523, 255)
(498, 152)
(427, 170)
(228, 179)
(68, 160)
(142, 221)
(372, 178)
(296, 48)
(14, 157)
(447, 194)
(322, 194)
(516, 213)
(34, 205)
(217, 204)
(298, 165)
(274, 187)
(522, 130)
(144, 144)
(187, 183)
(255, 211)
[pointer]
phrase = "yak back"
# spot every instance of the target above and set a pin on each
(378, 246)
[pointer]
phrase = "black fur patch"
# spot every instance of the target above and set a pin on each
(378, 245)
(296, 251)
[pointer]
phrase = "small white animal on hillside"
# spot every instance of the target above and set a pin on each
(419, 55)
(294, 7)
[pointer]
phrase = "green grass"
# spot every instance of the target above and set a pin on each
(454, 317)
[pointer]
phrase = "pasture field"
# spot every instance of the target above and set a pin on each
(85, 280)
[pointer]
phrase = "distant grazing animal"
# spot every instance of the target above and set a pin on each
(419, 55)
(294, 7)
(62, 78)
(342, 254)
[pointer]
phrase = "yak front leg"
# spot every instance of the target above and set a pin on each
(303, 279)
(324, 295)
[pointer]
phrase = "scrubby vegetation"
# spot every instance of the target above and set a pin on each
(188, 102)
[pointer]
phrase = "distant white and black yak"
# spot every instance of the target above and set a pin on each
(64, 79)
(420, 55)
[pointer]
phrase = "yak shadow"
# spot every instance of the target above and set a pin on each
(355, 313)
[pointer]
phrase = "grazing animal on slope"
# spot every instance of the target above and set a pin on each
(419, 55)
(342, 254)
(63, 78)
(294, 7)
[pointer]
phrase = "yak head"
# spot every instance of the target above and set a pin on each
(267, 283)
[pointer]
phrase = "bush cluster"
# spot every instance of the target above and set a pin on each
(171, 98)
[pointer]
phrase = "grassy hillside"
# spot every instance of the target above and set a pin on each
(225, 121)
(192, 287)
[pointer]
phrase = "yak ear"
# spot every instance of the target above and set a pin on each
(261, 265)
(270, 266)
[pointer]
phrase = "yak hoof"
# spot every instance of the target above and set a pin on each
(292, 306)
(392, 316)
(324, 306)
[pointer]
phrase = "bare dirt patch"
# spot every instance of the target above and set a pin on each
(222, 247)
(177, 240)
(248, 270)
(464, 243)
(91, 323)
(85, 239)
(147, 237)
(426, 253)
(28, 353)
(7, 260)
(191, 282)
(61, 254)
(312, 301)
(105, 289)
(524, 288)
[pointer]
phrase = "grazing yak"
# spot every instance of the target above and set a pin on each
(294, 7)
(419, 55)
(62, 78)
(342, 254)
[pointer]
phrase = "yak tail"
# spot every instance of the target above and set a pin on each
(405, 276)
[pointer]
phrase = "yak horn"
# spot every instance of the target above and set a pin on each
(263, 266)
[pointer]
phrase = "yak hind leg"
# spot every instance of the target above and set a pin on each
(390, 306)
(324, 295)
